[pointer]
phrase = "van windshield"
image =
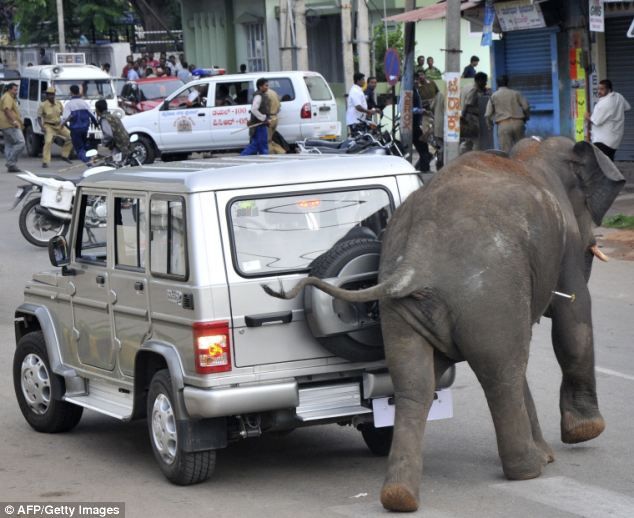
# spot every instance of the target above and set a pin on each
(90, 88)
(318, 88)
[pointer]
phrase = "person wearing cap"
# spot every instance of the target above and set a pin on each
(49, 117)
(78, 116)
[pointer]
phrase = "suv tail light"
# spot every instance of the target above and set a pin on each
(212, 352)
(306, 111)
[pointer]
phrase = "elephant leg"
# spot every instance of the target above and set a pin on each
(540, 442)
(574, 349)
(498, 355)
(410, 359)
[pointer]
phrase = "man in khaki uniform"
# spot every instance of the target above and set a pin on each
(274, 109)
(509, 110)
(49, 116)
(11, 126)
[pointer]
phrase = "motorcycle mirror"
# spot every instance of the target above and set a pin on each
(91, 153)
(134, 138)
(58, 251)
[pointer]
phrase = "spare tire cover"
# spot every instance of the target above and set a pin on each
(356, 334)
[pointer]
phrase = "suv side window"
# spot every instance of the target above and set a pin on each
(283, 87)
(34, 90)
(168, 237)
(130, 232)
(24, 88)
(193, 97)
(93, 229)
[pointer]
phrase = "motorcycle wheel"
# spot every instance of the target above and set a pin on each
(37, 228)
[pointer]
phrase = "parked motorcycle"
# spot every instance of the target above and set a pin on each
(371, 139)
(47, 199)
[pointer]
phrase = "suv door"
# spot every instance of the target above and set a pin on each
(90, 296)
(230, 113)
(272, 236)
(186, 123)
(128, 279)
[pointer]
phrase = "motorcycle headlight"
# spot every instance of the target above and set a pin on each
(118, 112)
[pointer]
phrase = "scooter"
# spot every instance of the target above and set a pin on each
(47, 199)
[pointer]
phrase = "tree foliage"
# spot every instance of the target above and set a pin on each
(394, 41)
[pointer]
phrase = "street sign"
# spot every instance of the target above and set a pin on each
(392, 66)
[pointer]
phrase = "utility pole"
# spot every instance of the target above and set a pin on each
(60, 25)
(452, 64)
(406, 103)
(363, 37)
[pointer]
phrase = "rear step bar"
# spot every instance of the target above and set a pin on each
(326, 402)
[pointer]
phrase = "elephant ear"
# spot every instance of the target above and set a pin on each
(600, 179)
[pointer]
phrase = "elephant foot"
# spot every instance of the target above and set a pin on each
(397, 497)
(547, 452)
(527, 467)
(575, 428)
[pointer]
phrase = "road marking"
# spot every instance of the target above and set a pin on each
(610, 372)
(568, 495)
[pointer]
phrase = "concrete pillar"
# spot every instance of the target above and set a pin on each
(286, 55)
(346, 36)
(452, 64)
(300, 33)
(363, 37)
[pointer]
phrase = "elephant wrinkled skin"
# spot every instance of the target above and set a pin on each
(468, 264)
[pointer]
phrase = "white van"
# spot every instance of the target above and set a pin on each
(95, 83)
(219, 120)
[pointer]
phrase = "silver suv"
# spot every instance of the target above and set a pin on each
(158, 310)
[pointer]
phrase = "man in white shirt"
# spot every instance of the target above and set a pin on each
(608, 119)
(357, 104)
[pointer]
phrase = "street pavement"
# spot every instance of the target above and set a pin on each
(327, 471)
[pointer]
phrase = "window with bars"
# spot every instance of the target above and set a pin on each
(256, 60)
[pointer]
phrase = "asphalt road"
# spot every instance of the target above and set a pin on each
(327, 471)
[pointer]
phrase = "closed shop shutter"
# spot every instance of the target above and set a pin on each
(619, 50)
(529, 58)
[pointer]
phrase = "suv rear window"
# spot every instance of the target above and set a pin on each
(281, 234)
(318, 88)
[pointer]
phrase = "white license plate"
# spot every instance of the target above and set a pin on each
(441, 408)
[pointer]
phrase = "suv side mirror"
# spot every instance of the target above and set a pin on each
(58, 251)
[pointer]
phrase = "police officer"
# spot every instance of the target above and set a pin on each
(49, 116)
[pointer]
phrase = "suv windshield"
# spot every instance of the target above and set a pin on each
(90, 88)
(284, 234)
(158, 89)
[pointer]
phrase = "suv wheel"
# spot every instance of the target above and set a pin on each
(143, 150)
(350, 257)
(378, 440)
(33, 142)
(180, 467)
(35, 386)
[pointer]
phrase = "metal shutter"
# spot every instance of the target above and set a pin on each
(619, 50)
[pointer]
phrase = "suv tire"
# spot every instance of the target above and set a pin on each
(358, 346)
(36, 388)
(378, 440)
(180, 467)
(144, 149)
(33, 142)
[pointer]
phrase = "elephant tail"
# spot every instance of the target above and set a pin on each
(397, 285)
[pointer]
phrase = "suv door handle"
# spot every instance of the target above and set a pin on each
(138, 286)
(202, 114)
(100, 279)
(282, 317)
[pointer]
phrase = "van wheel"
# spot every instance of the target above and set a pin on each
(36, 386)
(378, 440)
(345, 258)
(33, 141)
(180, 467)
(143, 149)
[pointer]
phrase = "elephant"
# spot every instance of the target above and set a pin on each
(469, 262)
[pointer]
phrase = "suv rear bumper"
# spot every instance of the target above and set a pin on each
(201, 403)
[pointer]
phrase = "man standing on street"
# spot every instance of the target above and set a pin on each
(49, 116)
(370, 93)
(608, 119)
(115, 137)
(509, 110)
(78, 116)
(469, 70)
(11, 126)
(274, 109)
(470, 120)
(259, 121)
(431, 72)
(357, 104)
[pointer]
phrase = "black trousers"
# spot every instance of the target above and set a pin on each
(607, 150)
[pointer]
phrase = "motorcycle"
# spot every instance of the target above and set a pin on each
(47, 199)
(370, 139)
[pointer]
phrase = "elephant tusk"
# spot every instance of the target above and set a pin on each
(599, 254)
(565, 295)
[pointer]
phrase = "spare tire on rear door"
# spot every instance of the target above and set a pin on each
(349, 330)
